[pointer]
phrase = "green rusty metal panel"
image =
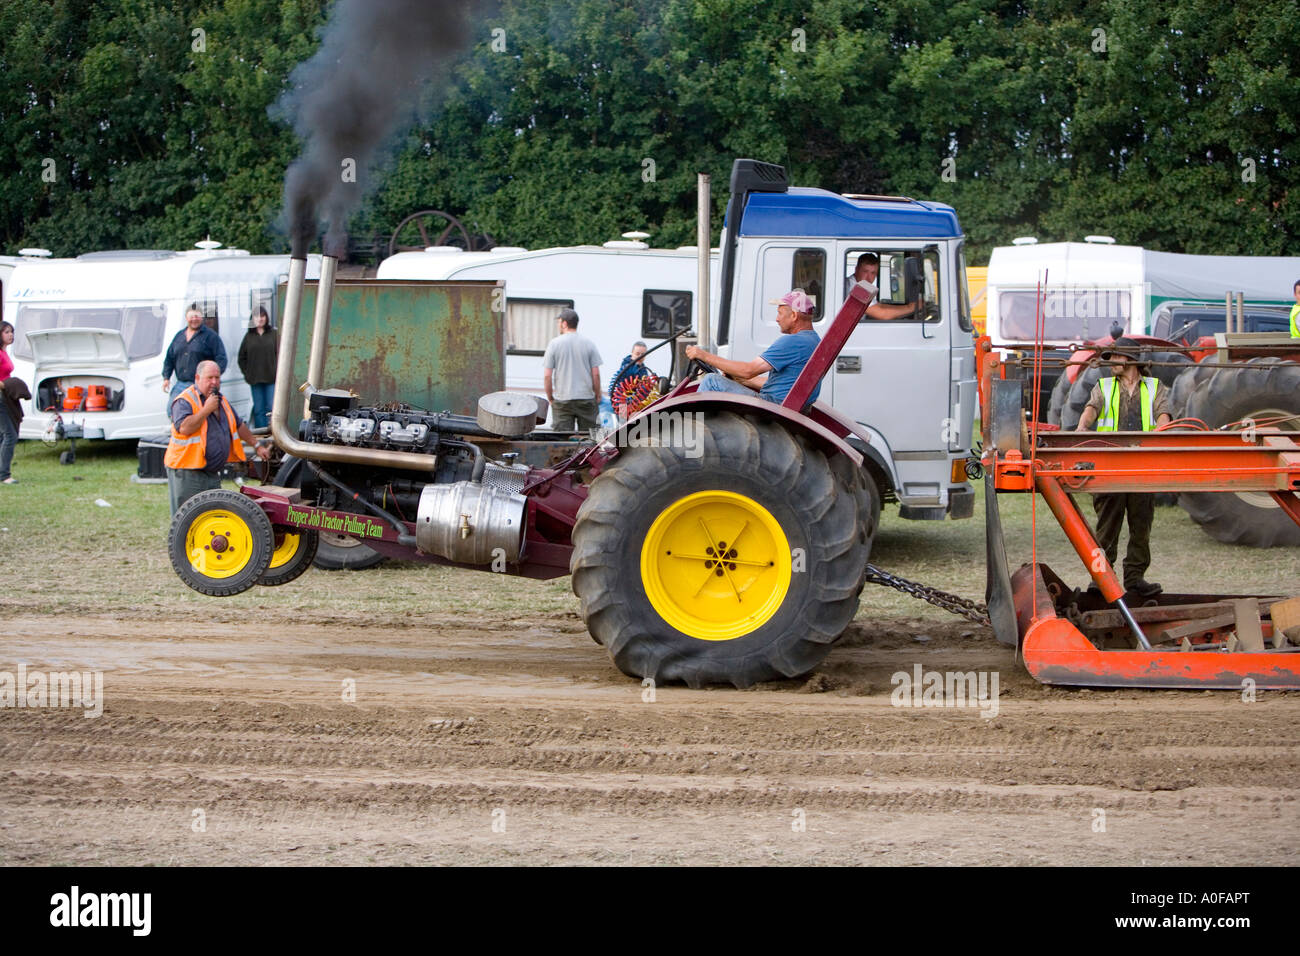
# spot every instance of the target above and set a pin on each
(434, 345)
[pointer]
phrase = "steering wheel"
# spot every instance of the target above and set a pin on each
(699, 364)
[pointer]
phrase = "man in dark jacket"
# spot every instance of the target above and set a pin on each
(193, 344)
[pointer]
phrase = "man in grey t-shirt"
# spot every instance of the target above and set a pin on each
(571, 371)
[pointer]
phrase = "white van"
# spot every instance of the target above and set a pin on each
(622, 291)
(91, 333)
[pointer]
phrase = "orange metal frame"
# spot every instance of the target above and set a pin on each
(1061, 463)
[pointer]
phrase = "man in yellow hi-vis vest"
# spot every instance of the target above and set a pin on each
(1295, 311)
(204, 426)
(1133, 400)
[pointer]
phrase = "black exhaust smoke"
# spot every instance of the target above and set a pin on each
(376, 59)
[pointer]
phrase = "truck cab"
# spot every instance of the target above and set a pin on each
(909, 382)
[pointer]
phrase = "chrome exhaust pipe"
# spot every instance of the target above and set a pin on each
(320, 330)
(285, 439)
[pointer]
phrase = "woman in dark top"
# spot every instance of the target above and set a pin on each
(257, 358)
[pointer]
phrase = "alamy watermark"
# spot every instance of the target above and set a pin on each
(922, 688)
(684, 430)
(84, 689)
(75, 908)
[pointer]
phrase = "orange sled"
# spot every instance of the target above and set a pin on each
(1075, 638)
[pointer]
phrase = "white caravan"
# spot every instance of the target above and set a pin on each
(91, 333)
(9, 263)
(622, 291)
(1089, 285)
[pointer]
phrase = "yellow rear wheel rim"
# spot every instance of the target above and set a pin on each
(716, 565)
(285, 552)
(219, 544)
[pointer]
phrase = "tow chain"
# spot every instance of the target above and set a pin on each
(971, 610)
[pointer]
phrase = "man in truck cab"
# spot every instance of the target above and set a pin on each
(774, 372)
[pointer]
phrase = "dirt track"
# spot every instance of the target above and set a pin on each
(481, 721)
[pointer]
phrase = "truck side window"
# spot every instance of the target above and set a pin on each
(809, 274)
(892, 271)
(963, 295)
(664, 312)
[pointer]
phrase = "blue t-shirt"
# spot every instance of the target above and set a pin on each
(787, 356)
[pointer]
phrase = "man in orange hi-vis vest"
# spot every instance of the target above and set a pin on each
(202, 442)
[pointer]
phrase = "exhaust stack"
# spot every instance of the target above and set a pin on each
(284, 375)
(320, 329)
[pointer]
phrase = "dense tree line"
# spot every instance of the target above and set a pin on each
(151, 123)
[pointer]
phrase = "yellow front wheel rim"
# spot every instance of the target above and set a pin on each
(285, 552)
(219, 544)
(716, 565)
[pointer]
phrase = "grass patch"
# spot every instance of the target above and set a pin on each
(62, 553)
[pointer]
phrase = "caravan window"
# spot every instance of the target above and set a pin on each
(211, 314)
(530, 324)
(664, 312)
(1067, 313)
(141, 326)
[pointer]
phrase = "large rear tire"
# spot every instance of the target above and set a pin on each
(1260, 389)
(741, 565)
(220, 542)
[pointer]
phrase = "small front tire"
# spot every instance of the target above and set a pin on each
(292, 556)
(220, 543)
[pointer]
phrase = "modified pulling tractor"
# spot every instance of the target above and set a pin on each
(719, 538)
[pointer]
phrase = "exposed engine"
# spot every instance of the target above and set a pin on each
(467, 509)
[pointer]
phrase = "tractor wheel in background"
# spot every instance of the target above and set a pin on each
(1260, 389)
(220, 542)
(1169, 366)
(291, 556)
(1172, 366)
(741, 565)
(340, 552)
(1076, 399)
(1057, 400)
(334, 552)
(1189, 382)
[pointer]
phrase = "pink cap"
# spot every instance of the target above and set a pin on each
(796, 299)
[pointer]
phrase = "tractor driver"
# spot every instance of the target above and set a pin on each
(773, 373)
